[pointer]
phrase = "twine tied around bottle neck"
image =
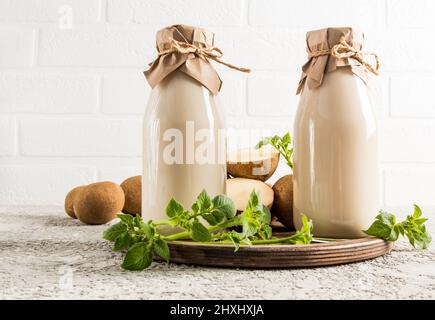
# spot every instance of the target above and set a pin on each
(212, 53)
(344, 50)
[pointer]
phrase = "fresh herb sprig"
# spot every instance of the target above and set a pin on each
(282, 144)
(413, 227)
(142, 240)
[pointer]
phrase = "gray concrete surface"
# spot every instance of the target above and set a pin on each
(46, 255)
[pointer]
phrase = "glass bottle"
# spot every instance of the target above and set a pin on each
(335, 141)
(184, 143)
(180, 110)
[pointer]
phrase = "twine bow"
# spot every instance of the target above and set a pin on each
(344, 50)
(212, 53)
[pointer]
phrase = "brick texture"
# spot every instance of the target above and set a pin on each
(72, 97)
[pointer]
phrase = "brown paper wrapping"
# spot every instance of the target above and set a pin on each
(316, 67)
(197, 67)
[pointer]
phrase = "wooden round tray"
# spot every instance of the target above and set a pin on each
(279, 256)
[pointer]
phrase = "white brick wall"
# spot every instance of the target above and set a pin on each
(72, 99)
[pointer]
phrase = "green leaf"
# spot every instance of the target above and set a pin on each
(126, 218)
(138, 257)
(174, 208)
(387, 218)
(379, 229)
(384, 227)
(122, 242)
(199, 232)
(114, 231)
(249, 228)
(286, 139)
(417, 212)
(195, 208)
(265, 232)
(412, 227)
(266, 216)
(225, 205)
(281, 144)
(263, 142)
(161, 248)
(138, 222)
(305, 234)
(203, 201)
(148, 230)
(254, 199)
(212, 219)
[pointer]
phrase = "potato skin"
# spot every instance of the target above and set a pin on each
(99, 203)
(69, 200)
(245, 170)
(132, 188)
(282, 206)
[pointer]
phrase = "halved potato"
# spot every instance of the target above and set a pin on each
(239, 190)
(251, 163)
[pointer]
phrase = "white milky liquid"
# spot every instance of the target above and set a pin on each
(336, 157)
(178, 100)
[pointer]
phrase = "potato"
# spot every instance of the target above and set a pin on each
(239, 190)
(132, 188)
(69, 200)
(250, 163)
(283, 201)
(99, 203)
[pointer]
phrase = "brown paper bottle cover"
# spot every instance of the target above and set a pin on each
(188, 49)
(331, 48)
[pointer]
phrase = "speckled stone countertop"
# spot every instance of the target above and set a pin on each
(46, 255)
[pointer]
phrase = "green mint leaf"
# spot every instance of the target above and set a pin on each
(387, 218)
(138, 222)
(282, 145)
(305, 234)
(149, 230)
(234, 237)
(138, 257)
(249, 228)
(254, 203)
(224, 205)
(263, 142)
(379, 229)
(161, 249)
(126, 218)
(195, 208)
(122, 242)
(266, 216)
(286, 139)
(114, 231)
(174, 208)
(213, 219)
(383, 227)
(418, 236)
(417, 212)
(425, 238)
(420, 221)
(266, 232)
(413, 228)
(200, 233)
(203, 201)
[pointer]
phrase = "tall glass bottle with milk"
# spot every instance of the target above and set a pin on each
(184, 148)
(336, 137)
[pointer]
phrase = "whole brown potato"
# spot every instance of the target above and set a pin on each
(99, 202)
(282, 206)
(133, 195)
(69, 200)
